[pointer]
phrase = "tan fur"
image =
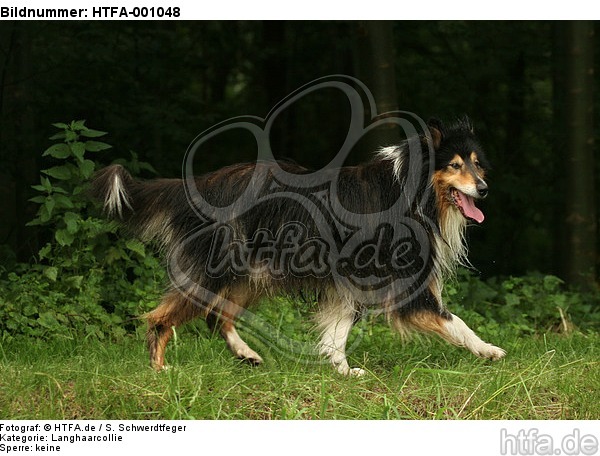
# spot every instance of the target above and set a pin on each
(176, 309)
(452, 329)
(173, 311)
(426, 322)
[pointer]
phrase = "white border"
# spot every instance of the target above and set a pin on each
(264, 438)
(342, 10)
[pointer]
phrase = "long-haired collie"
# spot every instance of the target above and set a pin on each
(382, 235)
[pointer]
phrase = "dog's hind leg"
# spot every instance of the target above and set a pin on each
(173, 311)
(452, 329)
(335, 320)
(223, 314)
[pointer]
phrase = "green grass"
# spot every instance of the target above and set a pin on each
(543, 377)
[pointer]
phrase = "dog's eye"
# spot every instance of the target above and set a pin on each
(454, 165)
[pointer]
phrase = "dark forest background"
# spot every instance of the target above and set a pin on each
(529, 88)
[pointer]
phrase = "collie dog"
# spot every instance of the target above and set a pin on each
(382, 236)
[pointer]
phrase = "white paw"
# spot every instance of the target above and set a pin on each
(490, 351)
(247, 354)
(356, 372)
(344, 369)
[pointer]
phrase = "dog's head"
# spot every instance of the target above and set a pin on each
(460, 167)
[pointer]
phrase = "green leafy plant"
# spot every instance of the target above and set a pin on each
(88, 280)
(534, 303)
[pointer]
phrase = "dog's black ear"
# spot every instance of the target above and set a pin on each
(436, 130)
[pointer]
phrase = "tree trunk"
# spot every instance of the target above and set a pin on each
(17, 138)
(559, 144)
(580, 216)
(276, 85)
(375, 66)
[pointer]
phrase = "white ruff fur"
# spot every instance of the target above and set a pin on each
(451, 248)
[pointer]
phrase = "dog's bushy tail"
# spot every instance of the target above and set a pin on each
(154, 210)
(113, 186)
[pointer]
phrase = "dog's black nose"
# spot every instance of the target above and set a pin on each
(482, 189)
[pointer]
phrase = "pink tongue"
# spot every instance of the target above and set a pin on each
(469, 209)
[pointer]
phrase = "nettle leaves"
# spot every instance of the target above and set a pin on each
(75, 145)
(86, 280)
(62, 188)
